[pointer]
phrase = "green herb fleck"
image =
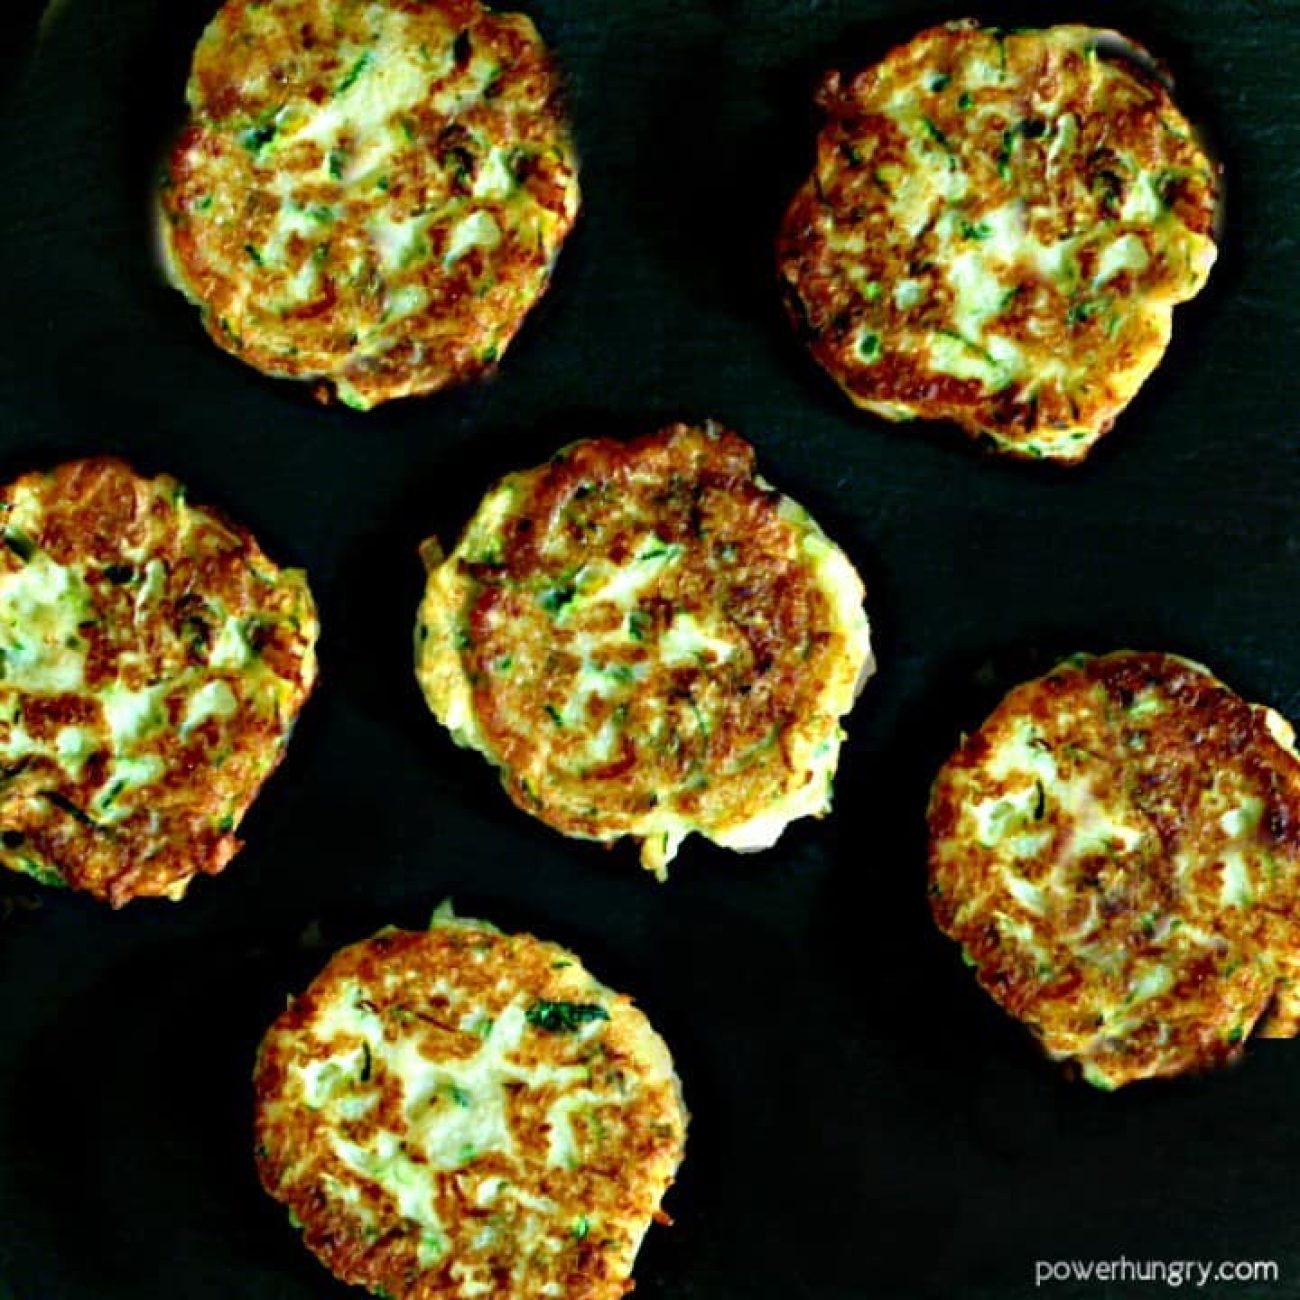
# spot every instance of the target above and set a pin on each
(1236, 1034)
(638, 624)
(20, 544)
(965, 101)
(459, 1096)
(354, 72)
(701, 722)
(254, 254)
(554, 600)
(940, 82)
(935, 134)
(975, 230)
(554, 714)
(336, 164)
(1005, 153)
(869, 346)
(1085, 311)
(42, 874)
(974, 347)
(226, 824)
(256, 138)
(366, 1063)
(1040, 801)
(564, 1017)
(581, 1228)
(418, 251)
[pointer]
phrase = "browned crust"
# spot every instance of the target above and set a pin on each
(106, 521)
(1169, 774)
(257, 57)
(712, 741)
(850, 192)
(632, 1146)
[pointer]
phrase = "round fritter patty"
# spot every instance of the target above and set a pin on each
(466, 1113)
(152, 663)
(649, 640)
(996, 232)
(369, 192)
(1117, 849)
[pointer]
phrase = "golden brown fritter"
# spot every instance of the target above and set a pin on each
(465, 1113)
(152, 664)
(996, 232)
(369, 193)
(649, 640)
(1117, 850)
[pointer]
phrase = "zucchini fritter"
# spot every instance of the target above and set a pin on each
(368, 193)
(648, 640)
(465, 1113)
(1117, 849)
(152, 664)
(996, 231)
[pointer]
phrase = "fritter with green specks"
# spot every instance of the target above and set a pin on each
(152, 664)
(369, 193)
(465, 1113)
(996, 232)
(1117, 850)
(648, 640)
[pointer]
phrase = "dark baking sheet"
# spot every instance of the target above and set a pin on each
(866, 1123)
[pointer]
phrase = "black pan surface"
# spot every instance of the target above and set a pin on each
(866, 1123)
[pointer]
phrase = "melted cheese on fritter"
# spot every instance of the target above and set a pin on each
(996, 233)
(127, 666)
(1118, 851)
(650, 641)
(464, 1113)
(369, 193)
